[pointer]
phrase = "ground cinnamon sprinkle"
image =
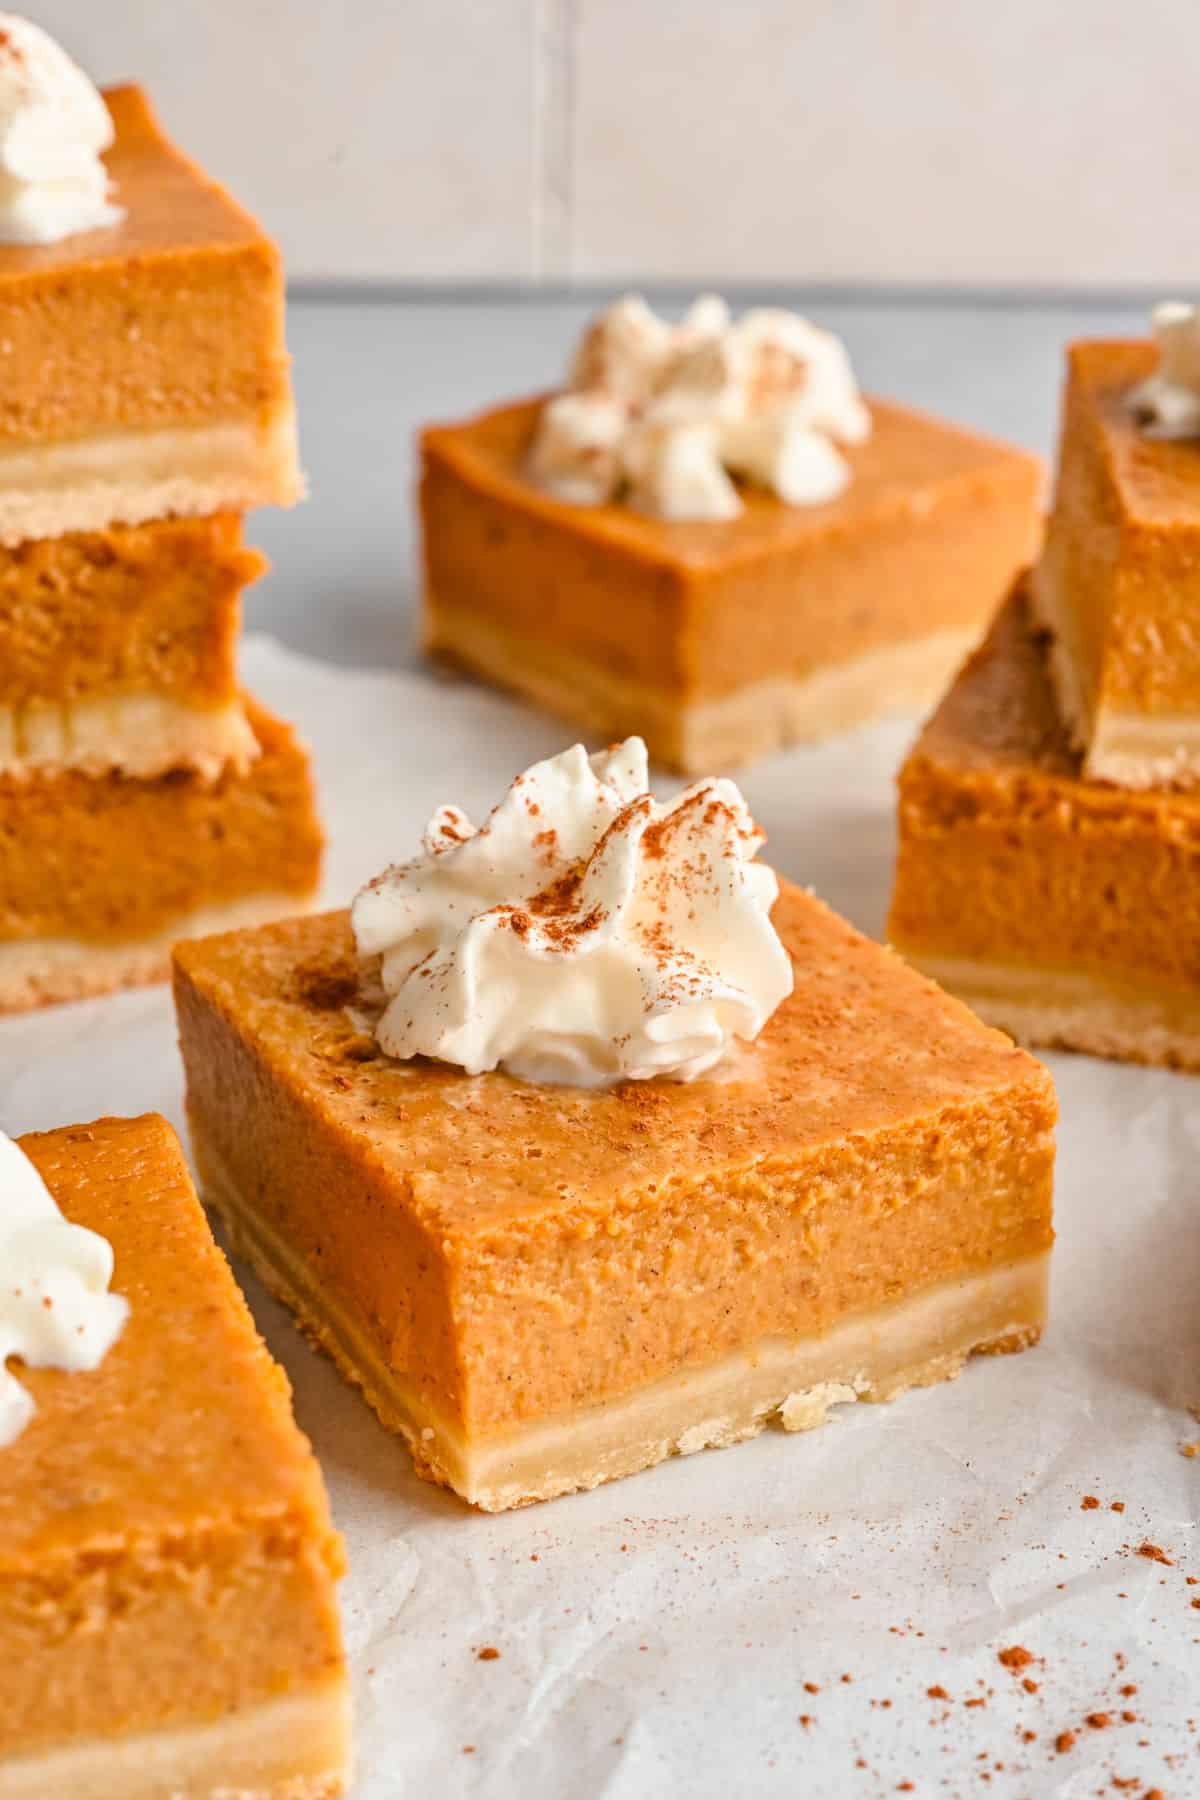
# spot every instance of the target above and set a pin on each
(1153, 1553)
(810, 1687)
(937, 1693)
(489, 1653)
(1089, 1503)
(1099, 1721)
(1064, 1741)
(1031, 1687)
(1015, 1657)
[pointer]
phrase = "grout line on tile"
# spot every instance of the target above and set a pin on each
(554, 46)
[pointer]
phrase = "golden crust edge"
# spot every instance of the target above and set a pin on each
(37, 972)
(1072, 1009)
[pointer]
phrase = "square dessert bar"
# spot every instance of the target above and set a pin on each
(1119, 584)
(1061, 909)
(118, 649)
(144, 365)
(99, 876)
(543, 1288)
(719, 641)
(168, 1620)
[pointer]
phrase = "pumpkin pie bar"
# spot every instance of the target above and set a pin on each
(143, 362)
(117, 649)
(1119, 584)
(100, 875)
(541, 1287)
(1062, 909)
(719, 637)
(168, 1620)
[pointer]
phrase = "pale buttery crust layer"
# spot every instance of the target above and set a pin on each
(697, 736)
(87, 484)
(296, 1747)
(876, 1356)
(1070, 1009)
(44, 971)
(139, 735)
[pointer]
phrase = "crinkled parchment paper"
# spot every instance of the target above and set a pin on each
(768, 1619)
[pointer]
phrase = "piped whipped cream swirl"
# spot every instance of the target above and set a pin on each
(54, 127)
(55, 1308)
(662, 415)
(586, 934)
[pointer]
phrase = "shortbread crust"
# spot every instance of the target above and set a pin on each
(702, 734)
(140, 735)
(127, 478)
(1072, 1009)
(250, 1755)
(874, 1357)
(46, 971)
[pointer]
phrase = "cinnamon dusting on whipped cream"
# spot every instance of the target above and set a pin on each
(585, 934)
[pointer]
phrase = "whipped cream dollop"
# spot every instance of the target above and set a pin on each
(586, 934)
(1168, 404)
(53, 128)
(660, 415)
(55, 1308)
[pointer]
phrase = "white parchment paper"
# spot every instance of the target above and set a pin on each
(768, 1619)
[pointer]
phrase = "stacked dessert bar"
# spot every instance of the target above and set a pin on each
(146, 403)
(1049, 866)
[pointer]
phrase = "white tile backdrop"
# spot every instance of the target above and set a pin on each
(1043, 143)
